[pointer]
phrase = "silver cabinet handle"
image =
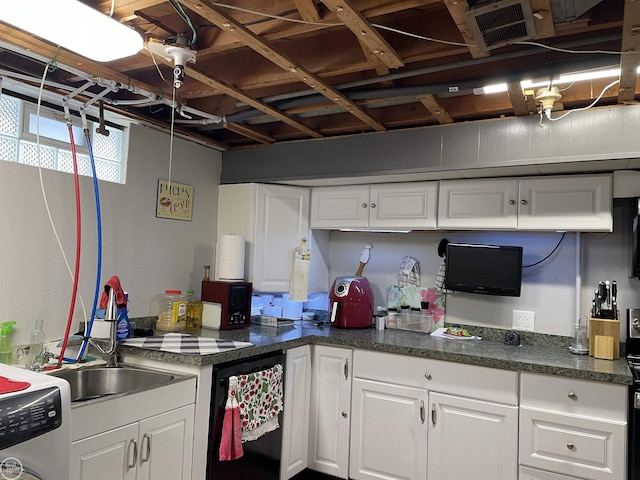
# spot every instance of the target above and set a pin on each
(427, 376)
(433, 414)
(422, 411)
(146, 450)
(571, 446)
(344, 415)
(373, 205)
(346, 369)
(364, 205)
(512, 202)
(523, 202)
(132, 461)
(572, 396)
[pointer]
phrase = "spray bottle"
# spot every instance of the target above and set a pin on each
(6, 350)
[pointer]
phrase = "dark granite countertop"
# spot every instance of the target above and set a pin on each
(551, 360)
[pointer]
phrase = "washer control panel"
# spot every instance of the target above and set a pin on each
(29, 414)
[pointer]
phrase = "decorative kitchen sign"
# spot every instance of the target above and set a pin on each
(175, 200)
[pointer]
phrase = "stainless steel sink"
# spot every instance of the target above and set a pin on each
(90, 383)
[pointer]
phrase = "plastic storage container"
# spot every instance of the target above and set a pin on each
(173, 316)
(194, 312)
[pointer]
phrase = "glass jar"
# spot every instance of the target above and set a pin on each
(173, 316)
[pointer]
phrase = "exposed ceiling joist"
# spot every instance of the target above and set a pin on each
(542, 18)
(308, 10)
(518, 100)
(377, 46)
(253, 41)
(630, 58)
(249, 133)
(431, 103)
(237, 94)
(457, 9)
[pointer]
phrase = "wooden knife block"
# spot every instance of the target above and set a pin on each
(604, 338)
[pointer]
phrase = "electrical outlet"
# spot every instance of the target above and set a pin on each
(523, 320)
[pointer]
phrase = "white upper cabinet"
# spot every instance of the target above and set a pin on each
(273, 219)
(567, 203)
(387, 205)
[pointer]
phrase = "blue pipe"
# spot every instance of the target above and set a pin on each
(96, 190)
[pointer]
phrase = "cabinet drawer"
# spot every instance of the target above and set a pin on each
(527, 473)
(570, 395)
(572, 445)
(439, 376)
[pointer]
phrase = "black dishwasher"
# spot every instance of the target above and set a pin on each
(261, 459)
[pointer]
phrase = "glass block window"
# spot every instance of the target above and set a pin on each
(20, 127)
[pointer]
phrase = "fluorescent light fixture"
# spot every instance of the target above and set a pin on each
(497, 88)
(376, 230)
(74, 26)
(589, 75)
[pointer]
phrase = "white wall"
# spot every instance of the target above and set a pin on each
(149, 254)
(548, 289)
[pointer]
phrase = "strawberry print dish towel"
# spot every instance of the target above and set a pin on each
(260, 402)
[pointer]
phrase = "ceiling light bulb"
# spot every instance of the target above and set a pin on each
(74, 26)
(590, 75)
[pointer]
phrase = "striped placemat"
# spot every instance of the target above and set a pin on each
(185, 344)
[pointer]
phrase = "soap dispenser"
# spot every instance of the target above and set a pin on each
(6, 350)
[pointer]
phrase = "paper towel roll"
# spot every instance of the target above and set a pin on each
(231, 257)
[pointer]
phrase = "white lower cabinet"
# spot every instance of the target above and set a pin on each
(572, 427)
(527, 473)
(295, 424)
(388, 431)
(156, 448)
(471, 438)
(330, 410)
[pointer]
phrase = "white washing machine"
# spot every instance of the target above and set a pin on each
(35, 435)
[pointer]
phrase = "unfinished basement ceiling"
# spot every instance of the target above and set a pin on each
(285, 70)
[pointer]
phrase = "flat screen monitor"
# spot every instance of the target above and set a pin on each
(484, 269)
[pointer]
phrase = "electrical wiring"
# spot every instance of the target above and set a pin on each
(173, 116)
(153, 57)
(584, 108)
(550, 253)
(565, 50)
(180, 11)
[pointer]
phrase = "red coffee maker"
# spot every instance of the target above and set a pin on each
(351, 300)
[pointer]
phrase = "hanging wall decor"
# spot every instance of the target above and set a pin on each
(174, 200)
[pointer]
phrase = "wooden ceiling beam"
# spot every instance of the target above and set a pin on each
(457, 10)
(265, 49)
(257, 104)
(630, 58)
(377, 46)
(433, 105)
(542, 18)
(518, 100)
(308, 10)
(249, 133)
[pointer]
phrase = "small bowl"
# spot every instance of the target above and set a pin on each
(308, 316)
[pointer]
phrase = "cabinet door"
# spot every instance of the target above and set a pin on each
(404, 205)
(330, 410)
(472, 439)
(295, 428)
(388, 432)
(107, 456)
(478, 204)
(340, 206)
(578, 203)
(282, 221)
(166, 445)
